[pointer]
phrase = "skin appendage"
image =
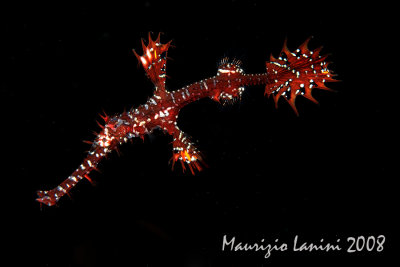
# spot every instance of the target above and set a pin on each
(290, 75)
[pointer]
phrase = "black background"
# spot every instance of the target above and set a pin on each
(271, 174)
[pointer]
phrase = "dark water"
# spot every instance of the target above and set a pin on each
(272, 176)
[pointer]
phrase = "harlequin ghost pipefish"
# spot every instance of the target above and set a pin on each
(290, 75)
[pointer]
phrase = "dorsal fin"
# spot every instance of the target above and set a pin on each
(154, 61)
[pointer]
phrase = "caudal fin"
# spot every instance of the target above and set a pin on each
(297, 73)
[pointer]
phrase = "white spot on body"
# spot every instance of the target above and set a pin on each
(60, 188)
(148, 54)
(144, 61)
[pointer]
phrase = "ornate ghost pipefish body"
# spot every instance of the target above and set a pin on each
(290, 75)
